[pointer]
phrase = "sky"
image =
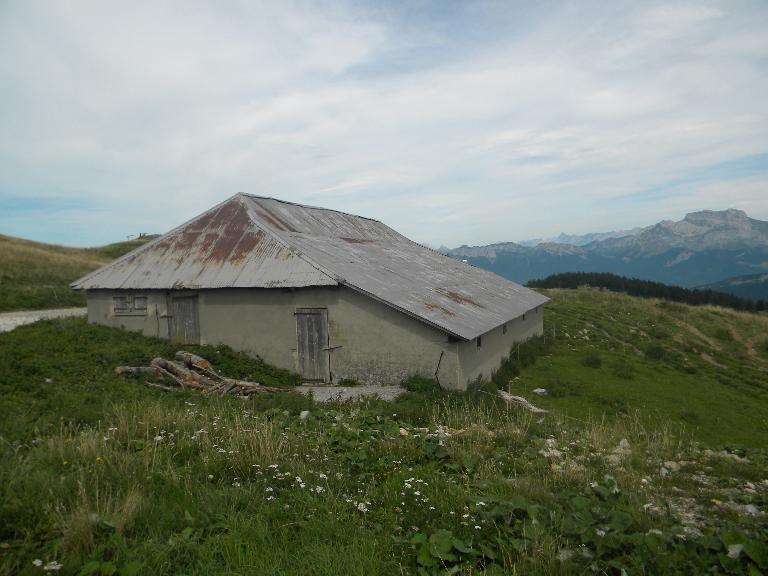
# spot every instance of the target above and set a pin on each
(453, 122)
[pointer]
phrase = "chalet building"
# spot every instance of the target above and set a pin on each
(329, 295)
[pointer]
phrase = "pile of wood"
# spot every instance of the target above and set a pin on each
(192, 371)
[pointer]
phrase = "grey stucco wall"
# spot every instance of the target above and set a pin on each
(370, 342)
(481, 362)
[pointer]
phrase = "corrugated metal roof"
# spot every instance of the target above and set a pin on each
(250, 241)
(222, 248)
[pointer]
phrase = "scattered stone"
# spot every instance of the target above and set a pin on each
(403, 432)
(304, 415)
(734, 550)
(624, 449)
(663, 472)
(539, 391)
(725, 454)
(672, 466)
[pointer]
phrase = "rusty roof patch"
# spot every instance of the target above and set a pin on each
(437, 307)
(457, 297)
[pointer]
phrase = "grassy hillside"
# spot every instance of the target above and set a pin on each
(103, 475)
(610, 353)
(35, 275)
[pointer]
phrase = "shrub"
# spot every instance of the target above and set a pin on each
(655, 352)
(623, 369)
(592, 360)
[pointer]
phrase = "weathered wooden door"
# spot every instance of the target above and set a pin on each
(312, 334)
(185, 328)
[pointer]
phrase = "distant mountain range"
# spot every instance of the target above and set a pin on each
(581, 239)
(703, 248)
(753, 286)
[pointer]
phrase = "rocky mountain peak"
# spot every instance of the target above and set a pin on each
(731, 216)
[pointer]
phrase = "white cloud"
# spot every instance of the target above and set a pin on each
(555, 119)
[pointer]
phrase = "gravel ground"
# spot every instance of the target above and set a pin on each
(327, 393)
(10, 320)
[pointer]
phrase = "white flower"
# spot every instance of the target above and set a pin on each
(53, 566)
(319, 489)
(158, 438)
(37, 562)
(477, 527)
(481, 504)
(269, 489)
(323, 476)
(210, 476)
(362, 507)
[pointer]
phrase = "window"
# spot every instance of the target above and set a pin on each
(523, 317)
(129, 305)
(479, 341)
(504, 329)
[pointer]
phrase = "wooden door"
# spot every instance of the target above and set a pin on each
(185, 327)
(312, 348)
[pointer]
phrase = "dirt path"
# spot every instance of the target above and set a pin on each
(699, 334)
(10, 320)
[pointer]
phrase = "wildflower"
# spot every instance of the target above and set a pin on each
(477, 527)
(319, 489)
(269, 489)
(158, 438)
(362, 507)
(481, 504)
(53, 566)
(270, 498)
(210, 476)
(37, 562)
(98, 458)
(323, 476)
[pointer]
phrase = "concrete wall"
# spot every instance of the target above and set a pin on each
(496, 345)
(370, 342)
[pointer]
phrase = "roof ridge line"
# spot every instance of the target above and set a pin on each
(148, 245)
(308, 206)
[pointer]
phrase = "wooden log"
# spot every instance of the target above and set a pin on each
(198, 363)
(161, 386)
(136, 370)
(182, 373)
(520, 401)
(256, 387)
(193, 360)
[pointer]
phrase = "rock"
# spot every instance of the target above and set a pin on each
(734, 550)
(672, 466)
(539, 391)
(304, 415)
(663, 472)
(403, 432)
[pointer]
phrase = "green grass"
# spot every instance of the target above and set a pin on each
(35, 275)
(700, 366)
(105, 475)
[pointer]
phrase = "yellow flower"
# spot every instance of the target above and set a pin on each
(98, 458)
